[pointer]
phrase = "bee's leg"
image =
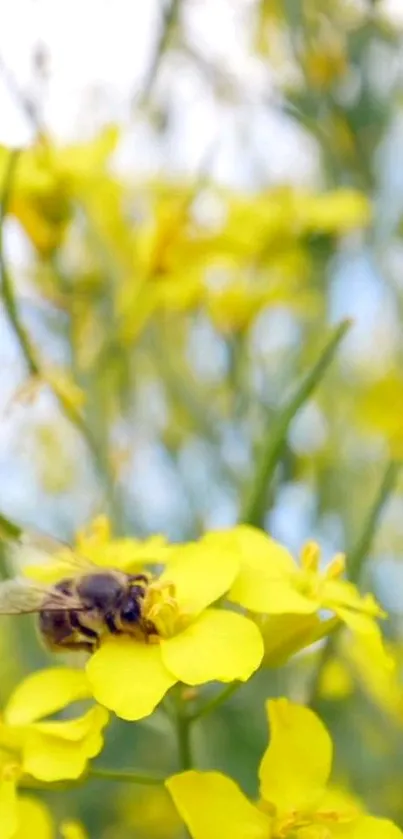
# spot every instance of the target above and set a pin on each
(110, 622)
(140, 578)
(83, 630)
(77, 646)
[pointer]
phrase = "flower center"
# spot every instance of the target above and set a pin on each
(160, 611)
(315, 825)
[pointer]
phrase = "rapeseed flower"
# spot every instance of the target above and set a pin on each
(270, 582)
(296, 801)
(191, 642)
(50, 750)
(49, 179)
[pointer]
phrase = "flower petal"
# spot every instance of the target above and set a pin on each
(345, 594)
(72, 830)
(265, 582)
(56, 751)
(370, 636)
(128, 677)
(284, 635)
(8, 803)
(369, 827)
(34, 819)
(296, 765)
(201, 575)
(262, 593)
(218, 645)
(213, 806)
(44, 693)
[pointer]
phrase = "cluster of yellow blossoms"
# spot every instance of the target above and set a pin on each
(221, 606)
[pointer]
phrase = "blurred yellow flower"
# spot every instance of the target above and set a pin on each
(382, 685)
(294, 793)
(325, 61)
(335, 680)
(72, 830)
(149, 813)
(48, 179)
(51, 750)
(191, 643)
(96, 543)
(337, 212)
(379, 409)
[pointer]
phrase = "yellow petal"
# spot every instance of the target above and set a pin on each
(34, 820)
(213, 807)
(72, 830)
(368, 827)
(284, 635)
(262, 593)
(218, 645)
(370, 636)
(128, 677)
(345, 594)
(44, 693)
(60, 750)
(8, 804)
(296, 765)
(201, 575)
(266, 580)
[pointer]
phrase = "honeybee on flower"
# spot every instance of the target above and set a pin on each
(145, 631)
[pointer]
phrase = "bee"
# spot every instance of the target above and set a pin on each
(75, 613)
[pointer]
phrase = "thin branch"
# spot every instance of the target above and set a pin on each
(125, 776)
(215, 702)
(7, 291)
(169, 21)
(273, 445)
(28, 349)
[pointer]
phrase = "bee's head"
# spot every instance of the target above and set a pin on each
(130, 607)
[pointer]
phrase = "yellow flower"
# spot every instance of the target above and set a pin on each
(189, 643)
(97, 544)
(378, 410)
(294, 793)
(48, 178)
(72, 830)
(51, 750)
(337, 212)
(382, 685)
(272, 583)
(148, 811)
(21, 817)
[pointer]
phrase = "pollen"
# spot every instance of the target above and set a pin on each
(336, 567)
(160, 609)
(10, 772)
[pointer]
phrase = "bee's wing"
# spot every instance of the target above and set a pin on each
(32, 547)
(18, 597)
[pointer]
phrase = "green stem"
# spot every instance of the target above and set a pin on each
(183, 740)
(126, 777)
(355, 560)
(356, 557)
(268, 458)
(215, 702)
(7, 290)
(169, 22)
